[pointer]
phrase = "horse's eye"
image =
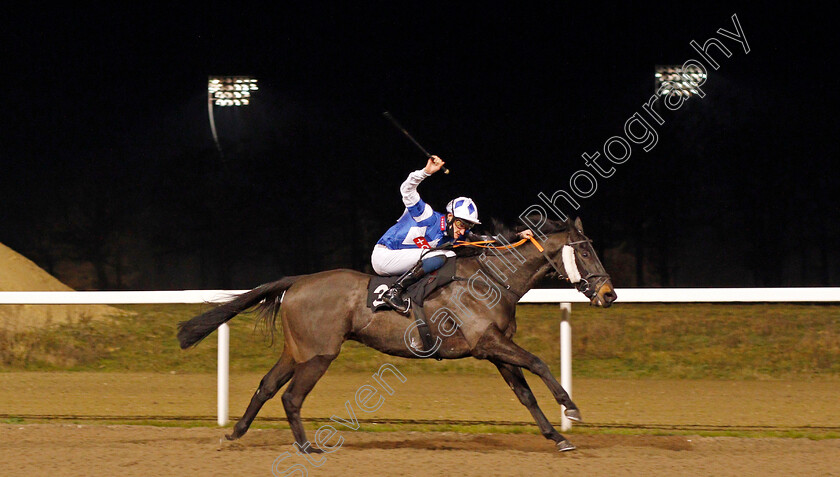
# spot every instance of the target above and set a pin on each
(584, 254)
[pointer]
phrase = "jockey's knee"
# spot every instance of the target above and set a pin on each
(431, 264)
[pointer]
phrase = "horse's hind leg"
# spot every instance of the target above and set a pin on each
(279, 375)
(516, 380)
(306, 375)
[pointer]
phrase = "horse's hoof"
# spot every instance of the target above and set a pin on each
(309, 449)
(231, 437)
(564, 446)
(573, 415)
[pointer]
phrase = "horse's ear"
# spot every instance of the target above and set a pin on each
(578, 225)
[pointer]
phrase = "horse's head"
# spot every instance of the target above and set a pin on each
(573, 254)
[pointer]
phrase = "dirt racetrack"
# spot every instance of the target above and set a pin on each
(71, 442)
(85, 450)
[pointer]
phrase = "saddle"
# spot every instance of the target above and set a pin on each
(416, 294)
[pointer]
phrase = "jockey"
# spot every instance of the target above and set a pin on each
(400, 249)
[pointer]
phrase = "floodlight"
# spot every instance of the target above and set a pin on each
(682, 80)
(223, 88)
(228, 91)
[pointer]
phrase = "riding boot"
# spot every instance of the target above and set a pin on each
(393, 297)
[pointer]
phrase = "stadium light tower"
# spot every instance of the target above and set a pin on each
(678, 80)
(228, 91)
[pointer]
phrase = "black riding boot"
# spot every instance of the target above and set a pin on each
(393, 297)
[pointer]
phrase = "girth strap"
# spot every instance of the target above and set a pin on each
(424, 331)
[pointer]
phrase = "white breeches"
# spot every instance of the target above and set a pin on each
(396, 262)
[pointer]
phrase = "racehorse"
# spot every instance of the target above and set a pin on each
(321, 311)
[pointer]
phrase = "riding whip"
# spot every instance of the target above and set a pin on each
(410, 137)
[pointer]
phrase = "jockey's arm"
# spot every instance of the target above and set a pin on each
(408, 189)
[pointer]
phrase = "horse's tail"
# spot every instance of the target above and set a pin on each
(196, 329)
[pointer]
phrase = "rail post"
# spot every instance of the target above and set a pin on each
(565, 358)
(223, 373)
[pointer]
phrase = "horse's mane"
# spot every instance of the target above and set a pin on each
(497, 227)
(549, 227)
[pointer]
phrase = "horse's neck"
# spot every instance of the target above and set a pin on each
(533, 270)
(521, 271)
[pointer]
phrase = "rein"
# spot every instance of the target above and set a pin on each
(483, 244)
(490, 273)
(582, 286)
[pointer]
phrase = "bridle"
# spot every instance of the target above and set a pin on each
(589, 284)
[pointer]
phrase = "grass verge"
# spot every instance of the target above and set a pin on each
(683, 341)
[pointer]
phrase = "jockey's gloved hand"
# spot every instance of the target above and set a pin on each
(525, 234)
(433, 165)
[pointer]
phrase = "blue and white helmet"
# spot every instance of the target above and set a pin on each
(463, 208)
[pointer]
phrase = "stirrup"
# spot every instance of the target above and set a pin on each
(394, 299)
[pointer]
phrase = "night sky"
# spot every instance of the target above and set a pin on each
(111, 178)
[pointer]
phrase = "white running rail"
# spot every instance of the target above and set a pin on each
(565, 297)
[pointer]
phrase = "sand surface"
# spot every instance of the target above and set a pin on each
(74, 450)
(81, 448)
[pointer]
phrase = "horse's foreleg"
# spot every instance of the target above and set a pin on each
(306, 375)
(279, 374)
(495, 346)
(516, 380)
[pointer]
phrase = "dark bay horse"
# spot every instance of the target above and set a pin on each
(321, 311)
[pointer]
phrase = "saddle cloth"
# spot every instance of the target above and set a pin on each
(417, 292)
